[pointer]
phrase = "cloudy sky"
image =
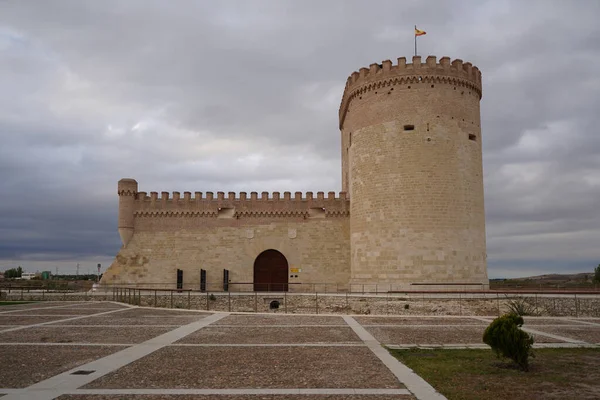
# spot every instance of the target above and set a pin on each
(244, 95)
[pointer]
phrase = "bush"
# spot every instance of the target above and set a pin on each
(521, 306)
(212, 297)
(505, 337)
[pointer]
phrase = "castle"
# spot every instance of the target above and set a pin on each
(410, 215)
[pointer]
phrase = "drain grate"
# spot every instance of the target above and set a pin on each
(83, 372)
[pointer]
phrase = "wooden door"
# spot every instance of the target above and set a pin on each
(270, 272)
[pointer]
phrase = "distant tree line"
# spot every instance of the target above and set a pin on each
(13, 273)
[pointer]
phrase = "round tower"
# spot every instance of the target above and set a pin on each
(411, 162)
(127, 191)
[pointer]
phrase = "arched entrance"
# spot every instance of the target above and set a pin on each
(270, 272)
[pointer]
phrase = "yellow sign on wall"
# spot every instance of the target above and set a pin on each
(294, 270)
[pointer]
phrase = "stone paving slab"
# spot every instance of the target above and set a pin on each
(101, 304)
(589, 334)
(248, 367)
(69, 311)
(9, 319)
(280, 319)
(147, 320)
(160, 312)
(25, 365)
(434, 335)
(49, 334)
(417, 321)
(238, 397)
(267, 335)
(546, 321)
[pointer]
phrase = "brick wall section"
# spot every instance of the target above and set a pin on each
(417, 210)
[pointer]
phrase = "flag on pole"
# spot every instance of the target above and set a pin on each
(418, 32)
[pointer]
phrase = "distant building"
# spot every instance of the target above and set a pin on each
(28, 275)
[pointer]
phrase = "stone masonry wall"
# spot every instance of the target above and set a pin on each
(413, 169)
(318, 248)
(415, 304)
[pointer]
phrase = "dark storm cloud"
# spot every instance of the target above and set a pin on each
(244, 95)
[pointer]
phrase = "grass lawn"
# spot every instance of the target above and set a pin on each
(478, 374)
(10, 303)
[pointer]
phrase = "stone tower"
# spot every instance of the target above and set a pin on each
(127, 191)
(411, 162)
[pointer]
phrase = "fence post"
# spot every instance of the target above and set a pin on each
(498, 302)
(387, 303)
(347, 298)
(189, 299)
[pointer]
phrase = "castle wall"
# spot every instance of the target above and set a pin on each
(219, 233)
(413, 169)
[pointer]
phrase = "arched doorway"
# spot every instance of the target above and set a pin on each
(270, 272)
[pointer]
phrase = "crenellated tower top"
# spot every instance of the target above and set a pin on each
(454, 72)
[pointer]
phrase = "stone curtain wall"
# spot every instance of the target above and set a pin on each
(164, 233)
(318, 248)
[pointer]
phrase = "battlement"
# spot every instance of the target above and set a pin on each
(234, 205)
(454, 72)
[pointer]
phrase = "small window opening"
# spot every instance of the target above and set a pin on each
(375, 92)
(409, 87)
(226, 212)
(360, 98)
(428, 127)
(392, 89)
(409, 127)
(472, 137)
(316, 212)
(432, 85)
(274, 305)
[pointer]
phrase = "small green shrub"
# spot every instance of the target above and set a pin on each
(521, 306)
(212, 297)
(507, 339)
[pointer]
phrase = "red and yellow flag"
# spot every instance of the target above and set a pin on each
(419, 32)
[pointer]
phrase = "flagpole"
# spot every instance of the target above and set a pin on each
(415, 33)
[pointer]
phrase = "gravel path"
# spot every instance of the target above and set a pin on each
(417, 321)
(215, 334)
(244, 367)
(280, 320)
(590, 334)
(30, 364)
(9, 319)
(249, 397)
(82, 335)
(432, 335)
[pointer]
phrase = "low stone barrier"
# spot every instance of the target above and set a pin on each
(467, 304)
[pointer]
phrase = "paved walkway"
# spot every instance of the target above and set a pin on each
(108, 350)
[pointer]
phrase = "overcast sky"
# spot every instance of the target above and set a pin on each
(244, 96)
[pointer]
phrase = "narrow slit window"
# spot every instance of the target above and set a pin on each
(409, 127)
(472, 137)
